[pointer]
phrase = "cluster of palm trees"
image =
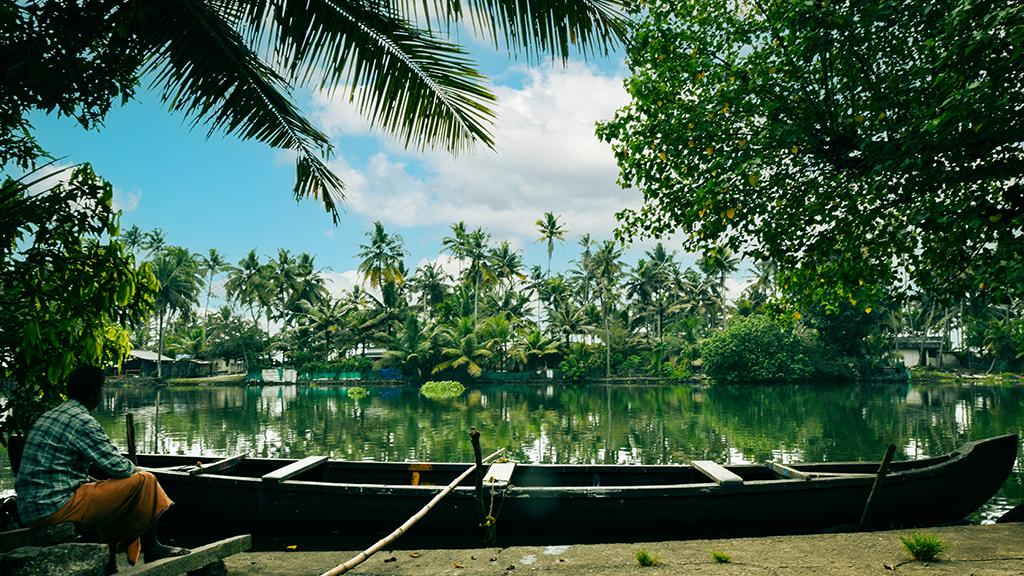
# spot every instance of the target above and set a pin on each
(492, 313)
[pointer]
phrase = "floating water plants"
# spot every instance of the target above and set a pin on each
(441, 389)
(358, 392)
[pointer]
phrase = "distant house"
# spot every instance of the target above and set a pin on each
(909, 349)
(143, 363)
(374, 353)
(187, 367)
(223, 366)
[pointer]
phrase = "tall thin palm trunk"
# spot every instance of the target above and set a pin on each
(160, 345)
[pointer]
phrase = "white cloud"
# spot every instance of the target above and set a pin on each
(547, 158)
(126, 200)
(451, 266)
(339, 283)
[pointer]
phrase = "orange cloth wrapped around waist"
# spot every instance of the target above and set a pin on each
(117, 510)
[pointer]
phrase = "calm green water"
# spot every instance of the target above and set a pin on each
(604, 424)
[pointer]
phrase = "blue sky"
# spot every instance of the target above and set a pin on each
(235, 196)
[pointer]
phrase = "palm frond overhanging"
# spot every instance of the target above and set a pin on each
(232, 65)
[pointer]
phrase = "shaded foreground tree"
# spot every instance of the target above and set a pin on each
(69, 289)
(231, 65)
(842, 141)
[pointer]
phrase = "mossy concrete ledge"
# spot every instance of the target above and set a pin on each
(67, 559)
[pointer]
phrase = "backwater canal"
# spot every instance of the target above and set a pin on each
(573, 424)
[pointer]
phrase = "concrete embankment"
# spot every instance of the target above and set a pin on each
(990, 550)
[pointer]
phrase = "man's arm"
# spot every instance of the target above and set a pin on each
(96, 445)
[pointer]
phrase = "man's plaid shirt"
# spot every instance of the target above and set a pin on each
(60, 447)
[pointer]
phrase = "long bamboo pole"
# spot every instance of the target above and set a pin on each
(362, 556)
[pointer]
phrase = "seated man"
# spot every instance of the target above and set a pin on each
(53, 484)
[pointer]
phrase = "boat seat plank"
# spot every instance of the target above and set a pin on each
(717, 472)
(787, 471)
(294, 469)
(197, 559)
(499, 474)
(218, 466)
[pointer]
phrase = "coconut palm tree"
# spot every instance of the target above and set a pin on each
(308, 285)
(607, 268)
(321, 324)
(456, 244)
(567, 319)
(176, 270)
(245, 283)
(580, 273)
(496, 331)
(413, 350)
(381, 257)
(233, 65)
(550, 230)
(507, 265)
(153, 241)
(534, 348)
(132, 238)
(210, 265)
(463, 348)
(430, 283)
(479, 271)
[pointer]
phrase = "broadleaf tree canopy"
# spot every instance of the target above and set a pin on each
(855, 144)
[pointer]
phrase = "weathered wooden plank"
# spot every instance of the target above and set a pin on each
(199, 557)
(499, 474)
(293, 469)
(787, 472)
(717, 472)
(218, 466)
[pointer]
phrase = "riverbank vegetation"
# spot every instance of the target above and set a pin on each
(492, 315)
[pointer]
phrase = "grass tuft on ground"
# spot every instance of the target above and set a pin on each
(923, 547)
(645, 558)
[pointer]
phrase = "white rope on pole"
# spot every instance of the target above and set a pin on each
(362, 556)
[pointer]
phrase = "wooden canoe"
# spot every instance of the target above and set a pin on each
(551, 504)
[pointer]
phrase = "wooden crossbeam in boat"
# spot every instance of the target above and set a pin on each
(197, 559)
(717, 472)
(218, 466)
(499, 474)
(793, 473)
(787, 471)
(294, 469)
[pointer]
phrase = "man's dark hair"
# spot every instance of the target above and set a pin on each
(85, 382)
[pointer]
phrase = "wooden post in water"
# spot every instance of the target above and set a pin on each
(876, 488)
(474, 438)
(130, 432)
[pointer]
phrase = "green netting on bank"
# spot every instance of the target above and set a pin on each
(314, 376)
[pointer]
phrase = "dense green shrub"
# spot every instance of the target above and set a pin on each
(755, 349)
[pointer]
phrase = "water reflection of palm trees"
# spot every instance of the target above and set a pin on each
(599, 424)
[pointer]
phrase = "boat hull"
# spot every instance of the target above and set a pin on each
(536, 509)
